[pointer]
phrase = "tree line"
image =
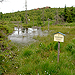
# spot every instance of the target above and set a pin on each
(66, 14)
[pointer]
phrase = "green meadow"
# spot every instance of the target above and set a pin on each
(40, 57)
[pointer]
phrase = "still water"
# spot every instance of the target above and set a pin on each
(25, 35)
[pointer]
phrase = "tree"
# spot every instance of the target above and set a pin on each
(1, 15)
(43, 16)
(72, 12)
(22, 19)
(65, 13)
(39, 20)
(69, 17)
(56, 18)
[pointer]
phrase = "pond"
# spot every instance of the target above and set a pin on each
(25, 35)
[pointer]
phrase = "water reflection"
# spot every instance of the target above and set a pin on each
(25, 35)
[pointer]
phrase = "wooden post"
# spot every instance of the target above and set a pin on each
(26, 10)
(48, 25)
(18, 29)
(60, 38)
(58, 51)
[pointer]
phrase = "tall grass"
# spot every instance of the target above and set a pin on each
(40, 58)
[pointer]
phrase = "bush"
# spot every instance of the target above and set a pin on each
(49, 68)
(73, 51)
(1, 59)
(27, 53)
(65, 72)
(73, 40)
(1, 72)
(50, 46)
(73, 56)
(4, 45)
(13, 47)
(69, 47)
(56, 46)
(42, 46)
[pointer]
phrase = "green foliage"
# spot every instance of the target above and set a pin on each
(27, 53)
(2, 57)
(56, 46)
(73, 51)
(38, 59)
(5, 29)
(42, 15)
(50, 46)
(69, 14)
(42, 46)
(1, 15)
(65, 72)
(22, 19)
(39, 20)
(13, 47)
(69, 17)
(65, 13)
(69, 47)
(73, 40)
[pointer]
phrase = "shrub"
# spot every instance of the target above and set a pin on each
(56, 46)
(42, 46)
(38, 51)
(73, 56)
(4, 45)
(27, 53)
(1, 72)
(50, 46)
(65, 72)
(73, 40)
(73, 51)
(49, 68)
(13, 47)
(69, 47)
(1, 59)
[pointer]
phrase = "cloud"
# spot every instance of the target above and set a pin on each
(15, 5)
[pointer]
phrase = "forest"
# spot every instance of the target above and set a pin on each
(40, 57)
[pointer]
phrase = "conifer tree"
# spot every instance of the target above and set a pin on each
(65, 13)
(72, 12)
(1, 15)
(22, 19)
(69, 17)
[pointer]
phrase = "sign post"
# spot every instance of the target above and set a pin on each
(58, 50)
(48, 23)
(60, 38)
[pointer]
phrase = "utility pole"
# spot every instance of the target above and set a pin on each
(26, 10)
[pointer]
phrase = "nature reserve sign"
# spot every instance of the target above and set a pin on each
(59, 37)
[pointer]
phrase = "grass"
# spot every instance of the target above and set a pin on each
(40, 58)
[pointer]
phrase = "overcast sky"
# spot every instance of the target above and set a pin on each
(8, 6)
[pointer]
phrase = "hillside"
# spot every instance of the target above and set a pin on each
(40, 57)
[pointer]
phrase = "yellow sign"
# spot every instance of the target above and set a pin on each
(58, 37)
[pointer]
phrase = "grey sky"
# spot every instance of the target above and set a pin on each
(14, 5)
